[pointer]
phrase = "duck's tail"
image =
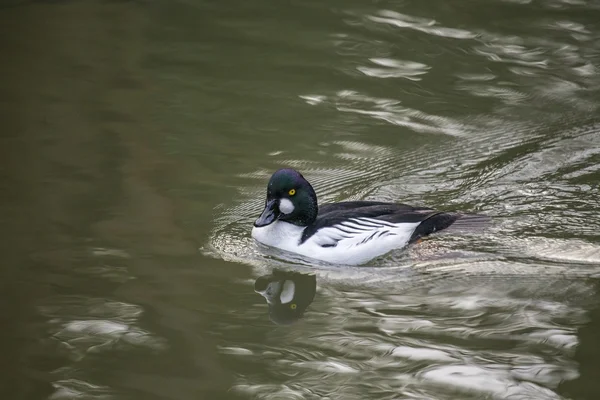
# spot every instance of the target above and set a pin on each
(470, 223)
(445, 223)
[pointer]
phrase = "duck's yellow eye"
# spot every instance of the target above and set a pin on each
(292, 192)
(293, 306)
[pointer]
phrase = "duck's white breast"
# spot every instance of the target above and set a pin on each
(282, 235)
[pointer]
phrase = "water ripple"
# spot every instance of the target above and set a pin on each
(391, 111)
(438, 339)
(491, 118)
(424, 25)
(88, 325)
(68, 389)
(389, 68)
(486, 381)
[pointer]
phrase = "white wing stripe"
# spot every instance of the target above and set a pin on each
(344, 233)
(363, 222)
(348, 229)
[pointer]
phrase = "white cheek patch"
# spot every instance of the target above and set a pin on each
(286, 206)
(287, 294)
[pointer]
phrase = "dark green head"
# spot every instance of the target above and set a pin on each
(290, 198)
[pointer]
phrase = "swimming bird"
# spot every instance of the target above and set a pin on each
(349, 232)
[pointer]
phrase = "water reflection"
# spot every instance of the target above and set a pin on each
(443, 337)
(288, 294)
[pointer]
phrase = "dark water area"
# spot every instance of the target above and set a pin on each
(135, 145)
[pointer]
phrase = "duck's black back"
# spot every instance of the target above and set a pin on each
(336, 213)
(330, 214)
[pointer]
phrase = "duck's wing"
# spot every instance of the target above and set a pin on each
(356, 223)
(369, 207)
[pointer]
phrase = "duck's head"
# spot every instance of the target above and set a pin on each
(290, 198)
(288, 294)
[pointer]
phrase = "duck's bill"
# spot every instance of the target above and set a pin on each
(269, 214)
(267, 289)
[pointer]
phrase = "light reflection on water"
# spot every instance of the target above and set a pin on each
(470, 336)
(483, 106)
(489, 316)
(83, 328)
(493, 315)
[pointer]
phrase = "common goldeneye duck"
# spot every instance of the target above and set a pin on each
(351, 232)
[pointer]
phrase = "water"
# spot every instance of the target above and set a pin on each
(136, 143)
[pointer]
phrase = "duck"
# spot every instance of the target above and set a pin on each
(348, 232)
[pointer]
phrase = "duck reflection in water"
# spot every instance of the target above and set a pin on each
(288, 294)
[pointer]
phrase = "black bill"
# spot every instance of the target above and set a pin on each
(269, 214)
